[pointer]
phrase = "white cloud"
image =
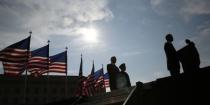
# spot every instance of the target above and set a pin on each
(203, 33)
(166, 7)
(202, 39)
(195, 7)
(47, 17)
(156, 3)
(185, 9)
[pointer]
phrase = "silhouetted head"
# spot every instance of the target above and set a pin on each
(122, 67)
(169, 37)
(187, 41)
(113, 59)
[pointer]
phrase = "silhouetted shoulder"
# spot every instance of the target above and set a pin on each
(167, 45)
(109, 66)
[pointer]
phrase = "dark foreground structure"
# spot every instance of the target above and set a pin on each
(36, 90)
(184, 89)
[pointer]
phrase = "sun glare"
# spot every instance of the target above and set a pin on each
(89, 34)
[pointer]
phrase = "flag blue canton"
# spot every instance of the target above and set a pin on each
(61, 57)
(23, 44)
(41, 52)
(58, 63)
(98, 74)
(106, 76)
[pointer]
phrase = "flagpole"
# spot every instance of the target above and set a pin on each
(66, 73)
(103, 85)
(25, 82)
(48, 62)
(93, 68)
(92, 80)
(80, 76)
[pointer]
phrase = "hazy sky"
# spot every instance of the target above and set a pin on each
(132, 30)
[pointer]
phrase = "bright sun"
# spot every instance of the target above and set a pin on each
(89, 34)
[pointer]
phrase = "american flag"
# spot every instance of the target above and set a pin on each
(58, 63)
(39, 60)
(99, 80)
(106, 80)
(89, 84)
(15, 57)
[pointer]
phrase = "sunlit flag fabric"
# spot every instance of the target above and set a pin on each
(89, 84)
(39, 60)
(58, 63)
(15, 57)
(99, 81)
(106, 80)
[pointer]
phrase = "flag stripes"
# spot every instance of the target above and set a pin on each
(14, 62)
(94, 84)
(58, 67)
(89, 86)
(13, 68)
(106, 80)
(15, 57)
(91, 82)
(39, 60)
(99, 77)
(58, 63)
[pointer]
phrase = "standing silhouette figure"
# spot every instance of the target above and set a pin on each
(113, 70)
(171, 55)
(189, 57)
(195, 58)
(123, 79)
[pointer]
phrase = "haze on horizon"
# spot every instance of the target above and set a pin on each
(132, 30)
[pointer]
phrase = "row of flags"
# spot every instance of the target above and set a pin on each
(18, 58)
(95, 83)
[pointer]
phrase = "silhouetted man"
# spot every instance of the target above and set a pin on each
(189, 57)
(195, 58)
(112, 71)
(171, 55)
(123, 79)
